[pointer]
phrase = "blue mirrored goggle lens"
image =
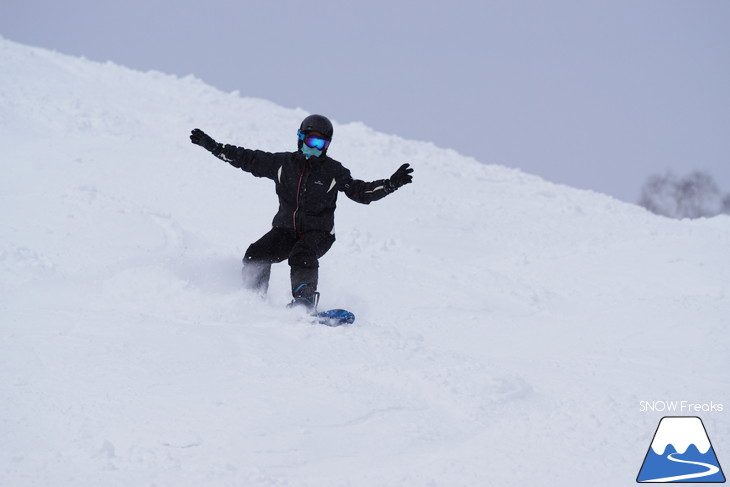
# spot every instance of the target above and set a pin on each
(314, 142)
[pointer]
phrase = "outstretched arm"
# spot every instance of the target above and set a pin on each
(198, 137)
(367, 192)
(258, 163)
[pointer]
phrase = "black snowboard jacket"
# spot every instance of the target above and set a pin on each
(307, 188)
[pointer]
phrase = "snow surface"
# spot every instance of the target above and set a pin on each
(507, 327)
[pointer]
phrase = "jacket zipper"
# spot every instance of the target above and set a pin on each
(299, 196)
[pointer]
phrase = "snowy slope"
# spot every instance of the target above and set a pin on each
(507, 327)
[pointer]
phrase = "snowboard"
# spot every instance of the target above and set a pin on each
(334, 317)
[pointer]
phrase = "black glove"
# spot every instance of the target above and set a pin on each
(399, 178)
(202, 139)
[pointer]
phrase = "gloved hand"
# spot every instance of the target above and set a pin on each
(202, 139)
(400, 178)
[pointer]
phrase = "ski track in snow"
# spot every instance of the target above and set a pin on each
(711, 470)
(506, 327)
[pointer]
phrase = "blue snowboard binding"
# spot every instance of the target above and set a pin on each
(334, 317)
(331, 317)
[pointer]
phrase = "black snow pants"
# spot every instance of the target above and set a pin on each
(303, 254)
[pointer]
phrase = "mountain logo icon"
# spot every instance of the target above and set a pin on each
(681, 452)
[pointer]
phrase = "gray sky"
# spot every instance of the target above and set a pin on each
(594, 94)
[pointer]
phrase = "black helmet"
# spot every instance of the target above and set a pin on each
(317, 123)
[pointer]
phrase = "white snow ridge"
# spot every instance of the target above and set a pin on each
(507, 327)
(681, 432)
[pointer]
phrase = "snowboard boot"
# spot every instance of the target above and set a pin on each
(305, 296)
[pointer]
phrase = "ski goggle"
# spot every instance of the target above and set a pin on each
(313, 141)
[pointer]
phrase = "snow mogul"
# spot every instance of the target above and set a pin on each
(307, 183)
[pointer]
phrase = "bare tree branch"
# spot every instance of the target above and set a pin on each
(694, 196)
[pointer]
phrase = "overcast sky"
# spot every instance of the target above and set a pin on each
(594, 94)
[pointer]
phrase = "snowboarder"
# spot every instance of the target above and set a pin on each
(307, 183)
